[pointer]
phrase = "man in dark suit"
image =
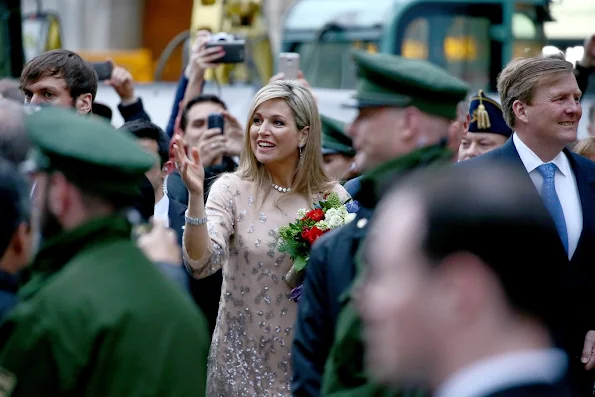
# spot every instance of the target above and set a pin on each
(457, 299)
(541, 103)
(205, 292)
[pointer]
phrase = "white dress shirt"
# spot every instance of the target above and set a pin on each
(162, 210)
(566, 189)
(501, 372)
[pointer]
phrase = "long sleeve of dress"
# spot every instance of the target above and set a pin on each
(221, 211)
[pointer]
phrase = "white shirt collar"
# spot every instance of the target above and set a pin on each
(162, 210)
(500, 372)
(532, 161)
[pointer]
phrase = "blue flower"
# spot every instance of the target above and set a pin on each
(352, 206)
(296, 293)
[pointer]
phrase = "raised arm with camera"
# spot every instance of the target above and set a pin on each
(201, 59)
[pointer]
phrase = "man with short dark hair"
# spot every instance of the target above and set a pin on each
(167, 211)
(60, 78)
(457, 298)
(96, 318)
(153, 139)
(541, 102)
(218, 149)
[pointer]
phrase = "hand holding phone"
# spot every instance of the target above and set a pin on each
(289, 65)
(215, 120)
(104, 70)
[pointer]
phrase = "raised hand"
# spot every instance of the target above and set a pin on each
(123, 82)
(160, 244)
(191, 169)
(211, 146)
(203, 58)
(234, 132)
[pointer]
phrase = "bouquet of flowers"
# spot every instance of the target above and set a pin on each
(297, 238)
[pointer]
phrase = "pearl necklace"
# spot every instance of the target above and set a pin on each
(164, 185)
(281, 189)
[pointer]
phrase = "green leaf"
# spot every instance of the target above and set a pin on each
(333, 200)
(299, 263)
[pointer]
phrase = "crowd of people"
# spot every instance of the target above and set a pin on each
(138, 261)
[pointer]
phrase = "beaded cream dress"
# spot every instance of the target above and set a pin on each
(251, 348)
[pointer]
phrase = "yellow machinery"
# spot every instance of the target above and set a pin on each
(242, 18)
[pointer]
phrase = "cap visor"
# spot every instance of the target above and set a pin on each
(329, 151)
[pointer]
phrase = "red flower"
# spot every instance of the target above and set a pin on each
(315, 215)
(311, 235)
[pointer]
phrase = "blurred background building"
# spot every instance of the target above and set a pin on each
(472, 39)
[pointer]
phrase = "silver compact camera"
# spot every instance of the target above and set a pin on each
(234, 48)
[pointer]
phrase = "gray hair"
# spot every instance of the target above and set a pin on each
(14, 144)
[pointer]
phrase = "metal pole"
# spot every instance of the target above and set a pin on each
(15, 36)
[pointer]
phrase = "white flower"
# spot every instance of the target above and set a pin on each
(331, 212)
(333, 218)
(301, 213)
(322, 225)
(349, 218)
(343, 212)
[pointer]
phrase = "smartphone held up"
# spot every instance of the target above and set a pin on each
(104, 70)
(215, 120)
(289, 65)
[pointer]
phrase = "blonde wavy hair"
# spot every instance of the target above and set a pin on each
(309, 175)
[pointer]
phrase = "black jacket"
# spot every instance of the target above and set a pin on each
(331, 271)
(579, 280)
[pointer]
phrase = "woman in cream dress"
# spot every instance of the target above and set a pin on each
(280, 172)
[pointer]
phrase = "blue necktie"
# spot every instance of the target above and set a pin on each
(551, 200)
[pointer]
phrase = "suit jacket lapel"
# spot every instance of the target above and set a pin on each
(510, 155)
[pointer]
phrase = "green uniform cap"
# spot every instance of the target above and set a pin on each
(391, 80)
(88, 151)
(334, 139)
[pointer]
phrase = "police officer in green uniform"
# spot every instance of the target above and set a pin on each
(337, 149)
(405, 107)
(96, 317)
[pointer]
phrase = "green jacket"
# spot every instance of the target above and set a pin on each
(97, 318)
(346, 355)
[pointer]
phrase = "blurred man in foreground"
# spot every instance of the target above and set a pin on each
(446, 311)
